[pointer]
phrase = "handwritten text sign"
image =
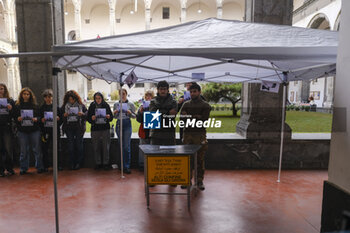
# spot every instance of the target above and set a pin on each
(168, 170)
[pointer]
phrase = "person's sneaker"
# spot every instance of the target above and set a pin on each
(40, 171)
(127, 171)
(97, 166)
(11, 171)
(22, 172)
(201, 185)
(2, 173)
(185, 186)
(106, 167)
(77, 167)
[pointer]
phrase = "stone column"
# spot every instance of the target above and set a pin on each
(183, 10)
(11, 77)
(44, 30)
(148, 14)
(112, 4)
(329, 91)
(305, 91)
(261, 113)
(336, 193)
(8, 24)
(219, 9)
(77, 19)
(13, 34)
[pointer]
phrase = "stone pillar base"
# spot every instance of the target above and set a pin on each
(270, 130)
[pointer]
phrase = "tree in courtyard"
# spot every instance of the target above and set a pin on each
(217, 91)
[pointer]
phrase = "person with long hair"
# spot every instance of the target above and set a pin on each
(46, 115)
(128, 111)
(144, 133)
(6, 115)
(99, 116)
(74, 126)
(27, 117)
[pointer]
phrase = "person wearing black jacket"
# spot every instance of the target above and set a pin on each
(74, 125)
(185, 97)
(46, 128)
(99, 116)
(165, 104)
(27, 118)
(6, 115)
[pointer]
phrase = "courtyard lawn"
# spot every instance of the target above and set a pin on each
(299, 121)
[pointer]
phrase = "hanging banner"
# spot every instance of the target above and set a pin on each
(169, 170)
(131, 79)
(270, 87)
(198, 76)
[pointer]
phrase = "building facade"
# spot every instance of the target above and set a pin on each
(317, 14)
(91, 19)
(9, 69)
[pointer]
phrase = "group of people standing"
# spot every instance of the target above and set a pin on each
(34, 126)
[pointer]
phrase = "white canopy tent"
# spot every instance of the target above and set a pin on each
(225, 51)
(210, 50)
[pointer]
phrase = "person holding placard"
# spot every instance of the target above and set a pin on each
(74, 126)
(99, 116)
(6, 115)
(198, 110)
(46, 115)
(144, 133)
(28, 117)
(128, 112)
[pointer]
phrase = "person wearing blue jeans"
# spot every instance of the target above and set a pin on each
(128, 111)
(25, 141)
(27, 117)
(127, 131)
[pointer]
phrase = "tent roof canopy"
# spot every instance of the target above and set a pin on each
(210, 50)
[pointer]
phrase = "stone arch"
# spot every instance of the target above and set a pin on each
(69, 20)
(207, 8)
(71, 35)
(320, 21)
(99, 15)
(127, 22)
(337, 23)
(157, 13)
(233, 10)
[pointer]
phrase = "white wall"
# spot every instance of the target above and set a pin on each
(233, 11)
(207, 11)
(339, 172)
(69, 19)
(318, 86)
(130, 22)
(157, 13)
(296, 88)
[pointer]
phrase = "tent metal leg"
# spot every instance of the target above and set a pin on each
(121, 126)
(54, 142)
(282, 131)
